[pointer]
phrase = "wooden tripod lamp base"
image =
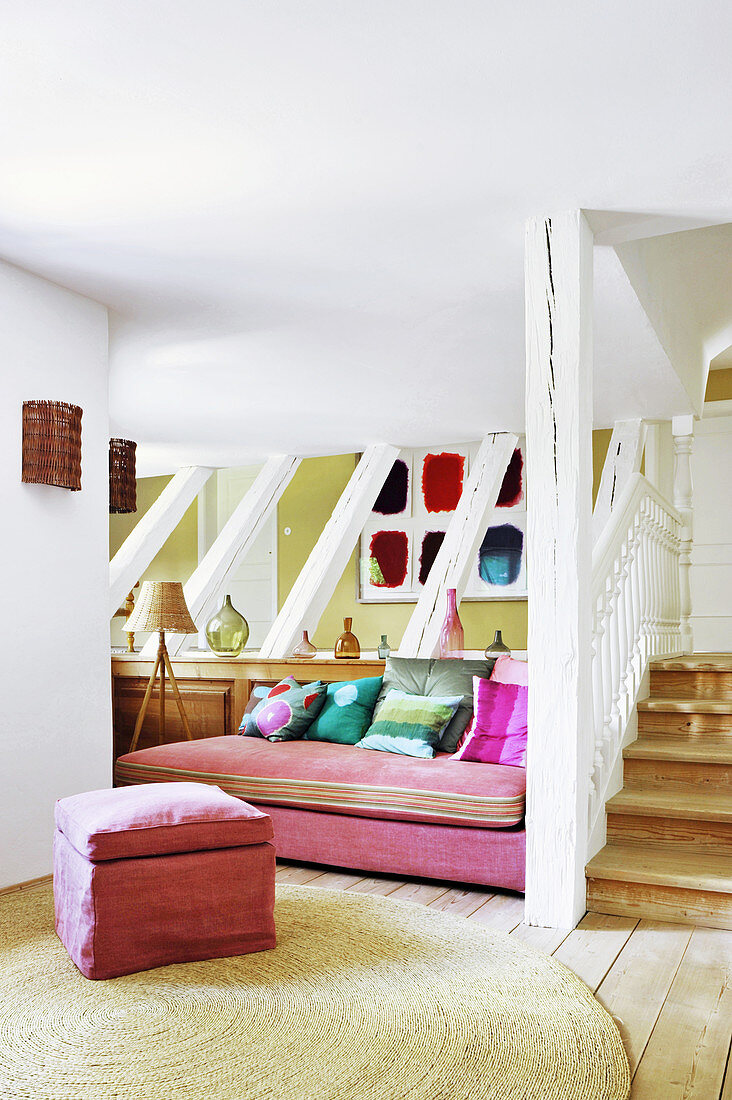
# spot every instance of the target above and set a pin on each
(162, 662)
(161, 607)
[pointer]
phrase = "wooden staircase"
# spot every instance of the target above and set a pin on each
(669, 831)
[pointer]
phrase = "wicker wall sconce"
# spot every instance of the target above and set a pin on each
(122, 476)
(52, 444)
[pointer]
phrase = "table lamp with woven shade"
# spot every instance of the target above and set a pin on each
(161, 606)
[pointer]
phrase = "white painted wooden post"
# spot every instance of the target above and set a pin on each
(623, 458)
(150, 533)
(231, 545)
(457, 555)
(314, 586)
(682, 428)
(559, 546)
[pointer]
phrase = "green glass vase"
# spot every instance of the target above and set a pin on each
(227, 631)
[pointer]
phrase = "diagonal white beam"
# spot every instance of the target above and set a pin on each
(313, 588)
(150, 533)
(456, 556)
(231, 544)
(623, 458)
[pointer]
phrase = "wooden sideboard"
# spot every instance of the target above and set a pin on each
(215, 690)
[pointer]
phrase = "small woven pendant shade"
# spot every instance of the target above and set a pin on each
(52, 444)
(161, 606)
(122, 479)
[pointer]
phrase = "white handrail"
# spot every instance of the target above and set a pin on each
(636, 615)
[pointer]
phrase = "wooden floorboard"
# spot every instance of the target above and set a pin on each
(637, 984)
(502, 913)
(689, 1045)
(591, 950)
(669, 986)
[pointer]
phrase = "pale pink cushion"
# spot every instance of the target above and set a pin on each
(507, 670)
(498, 732)
(158, 819)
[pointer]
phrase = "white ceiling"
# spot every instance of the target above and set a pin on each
(308, 216)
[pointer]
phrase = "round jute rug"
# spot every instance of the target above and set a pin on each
(362, 998)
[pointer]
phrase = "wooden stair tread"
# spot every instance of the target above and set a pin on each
(699, 662)
(701, 806)
(689, 705)
(656, 748)
(686, 870)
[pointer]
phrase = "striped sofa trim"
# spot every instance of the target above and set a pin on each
(463, 809)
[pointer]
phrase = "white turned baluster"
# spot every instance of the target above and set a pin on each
(683, 434)
(636, 596)
(633, 619)
(615, 646)
(598, 630)
(645, 626)
(607, 661)
(624, 626)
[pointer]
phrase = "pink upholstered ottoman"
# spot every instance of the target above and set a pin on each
(168, 872)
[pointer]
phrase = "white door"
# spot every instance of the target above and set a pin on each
(253, 585)
(711, 559)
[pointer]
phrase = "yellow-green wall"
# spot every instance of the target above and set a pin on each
(719, 385)
(305, 508)
(178, 557)
(600, 443)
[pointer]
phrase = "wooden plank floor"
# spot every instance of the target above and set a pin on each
(668, 986)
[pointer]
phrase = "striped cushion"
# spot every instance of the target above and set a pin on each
(339, 779)
(410, 724)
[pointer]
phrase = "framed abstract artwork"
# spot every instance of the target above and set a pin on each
(411, 514)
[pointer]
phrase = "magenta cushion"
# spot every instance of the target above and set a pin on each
(158, 819)
(498, 732)
(507, 670)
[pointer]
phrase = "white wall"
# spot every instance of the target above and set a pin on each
(711, 555)
(55, 724)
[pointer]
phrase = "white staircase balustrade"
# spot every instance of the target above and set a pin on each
(636, 616)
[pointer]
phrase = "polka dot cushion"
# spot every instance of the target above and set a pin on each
(285, 711)
(347, 711)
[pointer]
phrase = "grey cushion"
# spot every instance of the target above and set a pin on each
(436, 676)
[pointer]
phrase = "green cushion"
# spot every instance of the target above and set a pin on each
(347, 711)
(438, 677)
(409, 724)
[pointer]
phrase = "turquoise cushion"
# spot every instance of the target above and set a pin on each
(410, 724)
(286, 711)
(347, 711)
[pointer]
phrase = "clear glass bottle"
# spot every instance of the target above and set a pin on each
(304, 649)
(452, 637)
(384, 648)
(227, 631)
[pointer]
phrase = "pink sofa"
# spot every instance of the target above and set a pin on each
(345, 806)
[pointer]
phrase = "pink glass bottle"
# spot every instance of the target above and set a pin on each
(452, 638)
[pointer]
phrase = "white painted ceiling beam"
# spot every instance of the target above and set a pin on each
(623, 458)
(314, 586)
(152, 530)
(456, 556)
(558, 269)
(232, 544)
